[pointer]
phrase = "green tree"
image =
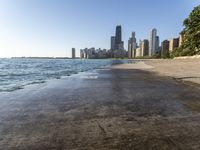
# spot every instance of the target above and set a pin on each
(191, 34)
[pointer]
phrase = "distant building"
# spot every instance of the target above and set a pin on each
(157, 45)
(181, 39)
(140, 44)
(119, 44)
(173, 44)
(129, 48)
(132, 45)
(164, 48)
(112, 46)
(82, 54)
(120, 54)
(73, 53)
(85, 53)
(118, 37)
(138, 52)
(116, 42)
(145, 48)
(92, 53)
(152, 42)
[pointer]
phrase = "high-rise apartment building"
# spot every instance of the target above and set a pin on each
(138, 52)
(129, 48)
(157, 45)
(140, 44)
(132, 45)
(173, 43)
(152, 42)
(73, 53)
(181, 39)
(112, 46)
(164, 48)
(82, 54)
(145, 48)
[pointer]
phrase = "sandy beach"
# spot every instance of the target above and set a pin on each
(131, 106)
(186, 69)
(182, 69)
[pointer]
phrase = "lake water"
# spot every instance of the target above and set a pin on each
(17, 73)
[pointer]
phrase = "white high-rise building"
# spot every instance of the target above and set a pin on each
(138, 52)
(152, 42)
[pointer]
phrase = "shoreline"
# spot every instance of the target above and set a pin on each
(182, 70)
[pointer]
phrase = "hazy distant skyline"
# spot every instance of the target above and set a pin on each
(53, 27)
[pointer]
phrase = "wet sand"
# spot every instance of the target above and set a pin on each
(105, 109)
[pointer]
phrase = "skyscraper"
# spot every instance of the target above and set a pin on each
(152, 42)
(140, 44)
(118, 35)
(73, 53)
(157, 45)
(132, 45)
(181, 38)
(145, 48)
(173, 44)
(81, 53)
(165, 48)
(129, 48)
(138, 52)
(116, 41)
(112, 46)
(119, 44)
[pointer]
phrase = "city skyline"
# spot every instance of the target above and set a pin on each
(33, 29)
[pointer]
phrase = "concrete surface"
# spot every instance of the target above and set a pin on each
(104, 109)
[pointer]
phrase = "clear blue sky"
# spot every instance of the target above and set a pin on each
(53, 27)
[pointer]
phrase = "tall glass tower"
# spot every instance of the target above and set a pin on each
(152, 42)
(118, 35)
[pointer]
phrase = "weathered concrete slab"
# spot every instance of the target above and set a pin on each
(106, 109)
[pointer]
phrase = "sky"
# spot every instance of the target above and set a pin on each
(52, 27)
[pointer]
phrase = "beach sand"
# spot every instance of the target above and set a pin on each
(187, 69)
(182, 69)
(122, 107)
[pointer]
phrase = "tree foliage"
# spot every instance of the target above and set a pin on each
(191, 34)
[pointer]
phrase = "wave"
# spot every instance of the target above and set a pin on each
(11, 89)
(15, 74)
